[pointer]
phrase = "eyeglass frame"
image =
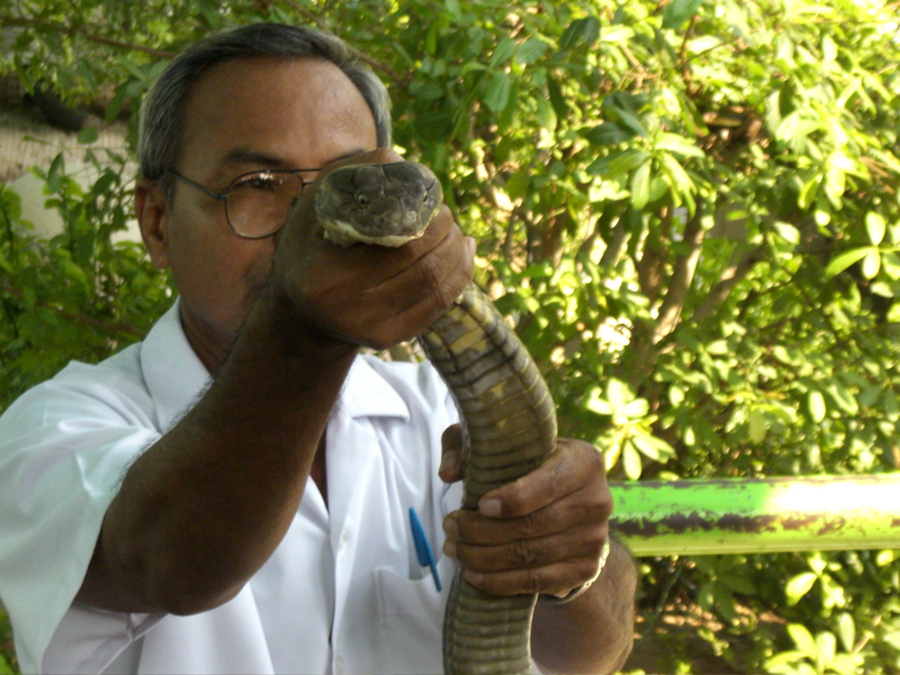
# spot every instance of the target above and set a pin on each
(223, 196)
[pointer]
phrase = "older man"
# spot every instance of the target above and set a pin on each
(231, 494)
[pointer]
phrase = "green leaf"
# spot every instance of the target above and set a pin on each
(640, 186)
(841, 262)
(678, 145)
(617, 34)
(835, 185)
(618, 393)
(679, 12)
(503, 52)
(636, 409)
(886, 557)
(759, 425)
(88, 135)
(580, 33)
(627, 161)
(546, 115)
(498, 90)
(632, 121)
(681, 181)
(876, 227)
(826, 649)
(846, 631)
(803, 639)
(608, 133)
(557, 99)
(652, 447)
(56, 174)
(799, 586)
(531, 51)
(871, 264)
(816, 403)
(596, 403)
(631, 461)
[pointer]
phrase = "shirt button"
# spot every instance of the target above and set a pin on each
(338, 665)
(342, 544)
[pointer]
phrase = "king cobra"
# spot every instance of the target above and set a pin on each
(508, 415)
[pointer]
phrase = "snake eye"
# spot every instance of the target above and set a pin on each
(362, 200)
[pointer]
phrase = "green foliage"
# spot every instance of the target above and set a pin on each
(77, 295)
(690, 211)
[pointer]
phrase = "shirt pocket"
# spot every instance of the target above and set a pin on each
(411, 619)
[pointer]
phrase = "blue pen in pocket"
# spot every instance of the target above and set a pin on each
(423, 549)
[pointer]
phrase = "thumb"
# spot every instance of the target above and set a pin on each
(451, 469)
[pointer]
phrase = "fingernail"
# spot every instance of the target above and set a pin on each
(472, 245)
(490, 507)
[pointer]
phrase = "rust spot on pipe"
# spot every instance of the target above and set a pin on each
(693, 521)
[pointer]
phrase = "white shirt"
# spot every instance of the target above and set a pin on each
(343, 592)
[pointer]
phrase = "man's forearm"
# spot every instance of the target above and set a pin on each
(201, 510)
(594, 632)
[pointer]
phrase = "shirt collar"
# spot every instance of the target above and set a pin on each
(176, 377)
(174, 374)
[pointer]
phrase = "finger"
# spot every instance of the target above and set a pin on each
(555, 579)
(571, 466)
(576, 544)
(584, 508)
(451, 469)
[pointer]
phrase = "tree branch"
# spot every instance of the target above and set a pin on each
(617, 236)
(74, 32)
(682, 276)
(651, 267)
(729, 278)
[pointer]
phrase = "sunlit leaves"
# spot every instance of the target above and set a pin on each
(629, 432)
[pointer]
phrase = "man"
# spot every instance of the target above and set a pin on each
(231, 494)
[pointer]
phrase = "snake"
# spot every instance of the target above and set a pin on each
(507, 413)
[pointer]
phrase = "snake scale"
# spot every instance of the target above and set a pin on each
(508, 414)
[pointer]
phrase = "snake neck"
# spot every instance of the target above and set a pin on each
(509, 416)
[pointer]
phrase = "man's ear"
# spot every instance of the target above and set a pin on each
(153, 219)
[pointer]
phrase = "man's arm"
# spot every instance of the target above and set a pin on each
(203, 508)
(545, 533)
(594, 632)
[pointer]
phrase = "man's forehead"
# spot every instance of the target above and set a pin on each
(263, 112)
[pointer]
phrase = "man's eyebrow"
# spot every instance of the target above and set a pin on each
(247, 156)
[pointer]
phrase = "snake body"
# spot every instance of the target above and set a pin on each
(508, 414)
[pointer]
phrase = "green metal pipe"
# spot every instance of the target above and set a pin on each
(747, 515)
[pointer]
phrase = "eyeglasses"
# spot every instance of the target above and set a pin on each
(258, 203)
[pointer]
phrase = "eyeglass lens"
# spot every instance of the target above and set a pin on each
(258, 204)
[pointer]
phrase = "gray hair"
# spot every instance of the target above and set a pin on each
(162, 114)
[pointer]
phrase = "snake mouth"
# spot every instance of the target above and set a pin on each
(345, 234)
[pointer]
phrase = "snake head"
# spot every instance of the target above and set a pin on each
(385, 204)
